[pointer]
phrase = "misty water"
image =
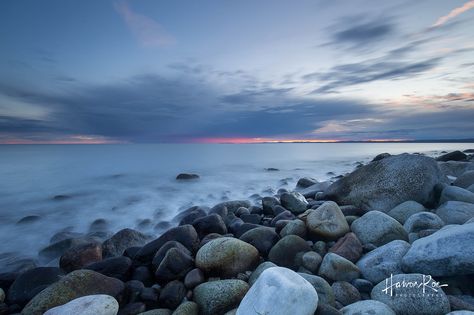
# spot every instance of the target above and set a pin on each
(126, 184)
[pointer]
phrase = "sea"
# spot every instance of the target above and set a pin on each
(67, 187)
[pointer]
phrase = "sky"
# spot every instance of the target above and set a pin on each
(146, 71)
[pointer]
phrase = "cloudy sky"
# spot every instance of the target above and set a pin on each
(212, 71)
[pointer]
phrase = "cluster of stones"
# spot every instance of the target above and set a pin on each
(325, 248)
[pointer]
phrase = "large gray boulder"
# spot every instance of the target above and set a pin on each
(383, 184)
(455, 212)
(378, 264)
(447, 252)
(409, 299)
(378, 228)
(279, 291)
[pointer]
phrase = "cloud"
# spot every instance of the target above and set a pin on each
(454, 13)
(147, 31)
(356, 32)
(367, 71)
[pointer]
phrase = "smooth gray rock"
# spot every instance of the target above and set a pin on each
(455, 193)
(406, 299)
(337, 268)
(226, 256)
(218, 297)
(311, 261)
(423, 221)
(295, 227)
(447, 252)
(378, 264)
(405, 210)
(285, 251)
(327, 221)
(378, 228)
(262, 238)
(383, 184)
(88, 305)
(345, 292)
(294, 201)
(455, 212)
(367, 307)
(305, 182)
(465, 180)
(279, 291)
(322, 287)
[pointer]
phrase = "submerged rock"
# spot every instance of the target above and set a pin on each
(120, 241)
(383, 184)
(279, 291)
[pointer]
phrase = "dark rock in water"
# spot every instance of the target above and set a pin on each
(281, 191)
(452, 156)
(174, 266)
(120, 241)
(57, 249)
(98, 225)
(29, 219)
(348, 247)
(64, 235)
(62, 197)
(162, 226)
(306, 182)
(226, 257)
(256, 210)
(294, 202)
(194, 278)
(185, 234)
(383, 184)
(268, 203)
(132, 309)
(231, 205)
(284, 252)
(7, 279)
(31, 282)
(345, 293)
(116, 267)
(188, 216)
(172, 294)
(76, 284)
(286, 215)
(80, 256)
(310, 192)
(381, 156)
(161, 253)
(212, 223)
(242, 211)
(143, 274)
(218, 297)
(14, 263)
(262, 238)
(187, 176)
(271, 169)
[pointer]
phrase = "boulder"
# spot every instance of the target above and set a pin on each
(175, 265)
(378, 228)
(465, 180)
(120, 241)
(452, 156)
(99, 304)
(310, 192)
(295, 227)
(305, 182)
(31, 282)
(212, 223)
(74, 285)
(268, 203)
(383, 184)
(188, 216)
(258, 271)
(187, 176)
(455, 193)
(337, 268)
(455, 212)
(80, 256)
(279, 291)
(378, 264)
(405, 210)
(226, 256)
(367, 307)
(185, 234)
(447, 252)
(284, 252)
(327, 222)
(423, 221)
(161, 253)
(294, 202)
(218, 297)
(262, 238)
(407, 299)
(348, 247)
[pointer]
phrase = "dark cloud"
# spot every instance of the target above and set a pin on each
(367, 71)
(150, 108)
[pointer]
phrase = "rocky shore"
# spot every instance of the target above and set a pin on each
(395, 236)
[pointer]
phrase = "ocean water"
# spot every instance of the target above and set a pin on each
(126, 184)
